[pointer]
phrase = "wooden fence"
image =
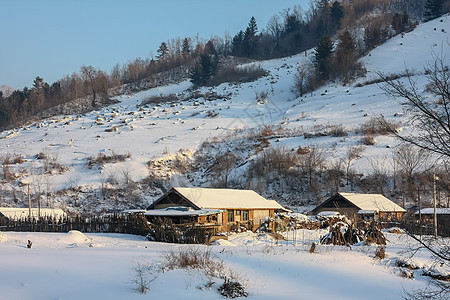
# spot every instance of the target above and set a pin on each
(415, 227)
(116, 223)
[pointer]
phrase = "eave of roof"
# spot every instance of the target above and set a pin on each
(430, 211)
(174, 212)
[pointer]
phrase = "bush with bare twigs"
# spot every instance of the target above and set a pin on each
(380, 252)
(237, 74)
(203, 259)
(378, 126)
(144, 273)
(161, 99)
(102, 159)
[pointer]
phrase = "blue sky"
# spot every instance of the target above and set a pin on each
(53, 38)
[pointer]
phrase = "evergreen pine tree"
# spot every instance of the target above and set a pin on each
(249, 43)
(252, 26)
(204, 69)
(322, 58)
(433, 9)
(162, 51)
(337, 13)
(237, 44)
(346, 56)
(210, 48)
(185, 47)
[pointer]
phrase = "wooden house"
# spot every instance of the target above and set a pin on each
(442, 213)
(362, 206)
(214, 207)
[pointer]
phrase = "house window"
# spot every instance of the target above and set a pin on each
(245, 215)
(231, 216)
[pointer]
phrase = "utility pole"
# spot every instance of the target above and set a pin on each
(29, 202)
(434, 198)
(39, 206)
(420, 210)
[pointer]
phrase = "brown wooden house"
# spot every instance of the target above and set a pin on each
(213, 207)
(362, 206)
(442, 213)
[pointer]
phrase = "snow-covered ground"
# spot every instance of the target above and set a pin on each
(100, 266)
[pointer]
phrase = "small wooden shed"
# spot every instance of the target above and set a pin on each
(442, 213)
(220, 207)
(362, 206)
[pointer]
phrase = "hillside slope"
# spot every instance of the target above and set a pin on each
(54, 155)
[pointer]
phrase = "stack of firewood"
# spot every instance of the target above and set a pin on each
(374, 235)
(339, 235)
(345, 234)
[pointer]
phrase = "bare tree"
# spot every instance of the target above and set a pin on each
(223, 166)
(96, 82)
(303, 79)
(379, 173)
(429, 118)
(410, 159)
(48, 183)
(353, 153)
(394, 165)
(440, 251)
(334, 174)
(311, 162)
(275, 28)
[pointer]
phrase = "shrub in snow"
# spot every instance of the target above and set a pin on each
(202, 259)
(401, 263)
(368, 140)
(380, 252)
(144, 274)
(232, 289)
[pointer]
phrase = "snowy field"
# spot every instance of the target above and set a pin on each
(100, 266)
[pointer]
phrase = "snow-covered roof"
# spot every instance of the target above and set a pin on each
(327, 213)
(133, 211)
(430, 211)
(20, 213)
(366, 212)
(372, 202)
(181, 211)
(227, 198)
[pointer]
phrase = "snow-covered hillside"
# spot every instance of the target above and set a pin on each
(149, 132)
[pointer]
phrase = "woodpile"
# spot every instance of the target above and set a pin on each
(331, 221)
(286, 222)
(341, 234)
(345, 234)
(374, 235)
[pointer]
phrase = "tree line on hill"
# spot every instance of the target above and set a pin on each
(290, 32)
